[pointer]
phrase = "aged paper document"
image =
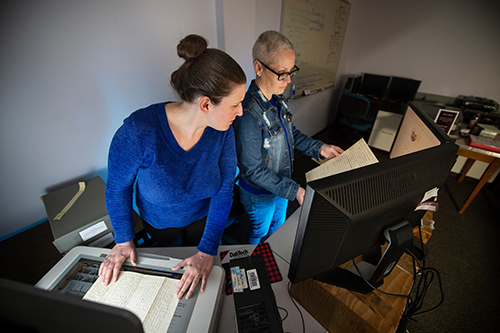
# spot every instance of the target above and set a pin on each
(358, 155)
(151, 298)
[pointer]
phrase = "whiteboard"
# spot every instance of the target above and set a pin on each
(316, 29)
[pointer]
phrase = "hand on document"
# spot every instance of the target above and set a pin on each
(300, 195)
(358, 155)
(330, 151)
(110, 267)
(196, 268)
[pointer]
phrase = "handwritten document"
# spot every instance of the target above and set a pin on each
(151, 298)
(358, 155)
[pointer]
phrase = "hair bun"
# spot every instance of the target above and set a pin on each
(191, 47)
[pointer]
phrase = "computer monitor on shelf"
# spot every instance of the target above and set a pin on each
(402, 90)
(374, 85)
(354, 213)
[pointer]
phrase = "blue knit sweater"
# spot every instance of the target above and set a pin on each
(174, 187)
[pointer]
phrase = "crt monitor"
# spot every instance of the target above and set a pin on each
(374, 85)
(354, 213)
(402, 90)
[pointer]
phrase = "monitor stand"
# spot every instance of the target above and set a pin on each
(375, 265)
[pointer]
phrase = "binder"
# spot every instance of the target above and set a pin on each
(83, 221)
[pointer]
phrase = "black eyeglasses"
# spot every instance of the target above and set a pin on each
(282, 76)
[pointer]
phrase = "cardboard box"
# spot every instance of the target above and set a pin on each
(77, 215)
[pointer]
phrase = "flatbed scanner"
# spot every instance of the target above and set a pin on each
(75, 273)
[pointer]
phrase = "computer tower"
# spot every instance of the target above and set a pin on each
(353, 83)
(254, 302)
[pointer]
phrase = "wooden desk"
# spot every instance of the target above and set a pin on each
(476, 154)
(341, 310)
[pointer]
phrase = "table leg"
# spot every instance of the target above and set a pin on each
(466, 169)
(487, 174)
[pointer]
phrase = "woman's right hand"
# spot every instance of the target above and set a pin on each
(110, 267)
(300, 195)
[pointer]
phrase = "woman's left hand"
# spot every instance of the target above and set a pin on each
(330, 151)
(196, 268)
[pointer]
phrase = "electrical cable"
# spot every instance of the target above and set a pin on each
(300, 312)
(372, 286)
(286, 313)
(415, 298)
(415, 304)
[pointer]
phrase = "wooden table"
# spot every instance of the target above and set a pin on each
(473, 155)
(341, 310)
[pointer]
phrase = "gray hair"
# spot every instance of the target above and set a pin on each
(269, 45)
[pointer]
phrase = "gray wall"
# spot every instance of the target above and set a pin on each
(452, 46)
(71, 71)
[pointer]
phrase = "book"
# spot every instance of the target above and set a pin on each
(485, 143)
(357, 156)
(488, 131)
(151, 298)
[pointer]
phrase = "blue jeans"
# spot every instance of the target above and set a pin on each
(266, 212)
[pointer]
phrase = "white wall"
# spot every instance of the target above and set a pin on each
(244, 21)
(452, 46)
(71, 71)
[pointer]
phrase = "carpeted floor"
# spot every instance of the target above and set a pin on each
(465, 249)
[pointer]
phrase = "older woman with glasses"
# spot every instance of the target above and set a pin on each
(266, 139)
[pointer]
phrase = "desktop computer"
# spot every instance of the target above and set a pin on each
(352, 84)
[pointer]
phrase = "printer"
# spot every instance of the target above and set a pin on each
(478, 104)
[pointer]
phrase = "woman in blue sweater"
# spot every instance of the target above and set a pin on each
(181, 155)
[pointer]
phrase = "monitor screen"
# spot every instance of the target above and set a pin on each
(353, 213)
(374, 85)
(402, 90)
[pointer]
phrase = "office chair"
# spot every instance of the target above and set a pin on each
(355, 116)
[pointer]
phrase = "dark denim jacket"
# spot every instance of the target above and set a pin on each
(264, 155)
